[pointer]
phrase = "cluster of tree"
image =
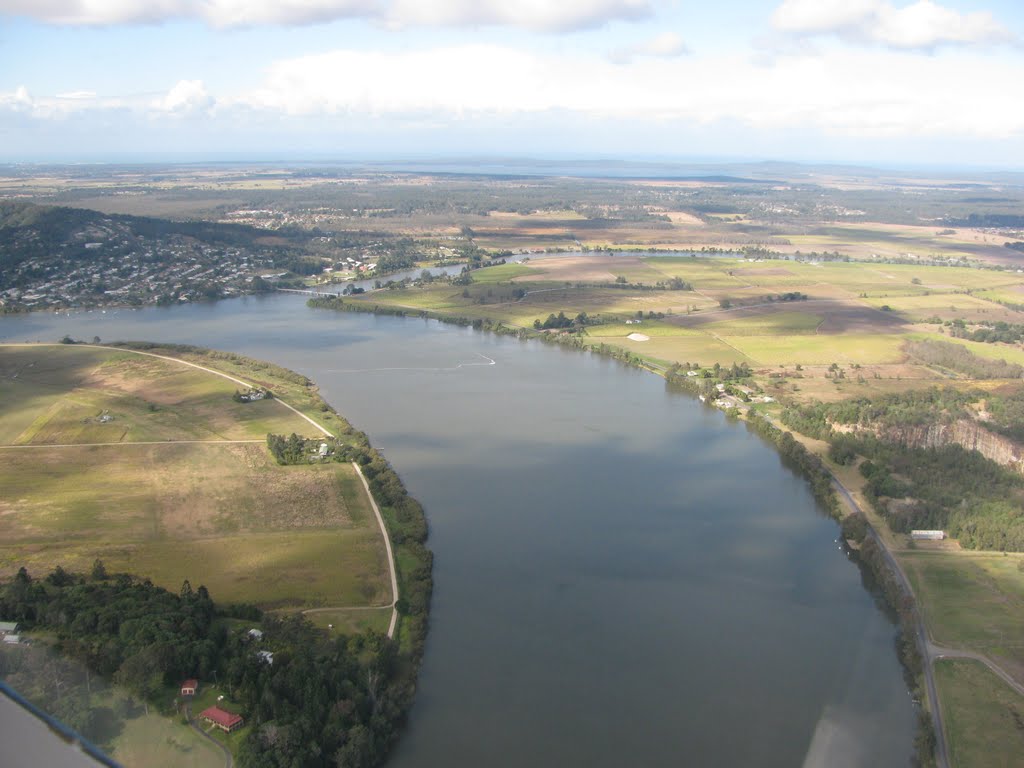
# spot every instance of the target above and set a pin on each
(293, 449)
(988, 220)
(988, 332)
(957, 358)
(561, 321)
(1017, 246)
(402, 255)
(898, 409)
(674, 284)
(799, 459)
(949, 488)
(323, 702)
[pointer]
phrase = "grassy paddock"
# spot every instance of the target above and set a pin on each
(153, 741)
(984, 717)
(973, 601)
(223, 515)
(47, 399)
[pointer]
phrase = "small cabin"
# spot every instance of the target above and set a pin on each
(189, 687)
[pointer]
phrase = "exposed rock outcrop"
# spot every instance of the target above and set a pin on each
(966, 433)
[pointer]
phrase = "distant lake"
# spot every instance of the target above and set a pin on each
(623, 577)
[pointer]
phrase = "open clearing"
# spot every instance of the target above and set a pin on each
(984, 717)
(974, 601)
(174, 505)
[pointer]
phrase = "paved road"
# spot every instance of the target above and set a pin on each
(923, 645)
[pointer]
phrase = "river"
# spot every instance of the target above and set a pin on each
(622, 576)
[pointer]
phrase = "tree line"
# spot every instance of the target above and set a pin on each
(324, 701)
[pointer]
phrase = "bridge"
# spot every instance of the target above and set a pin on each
(309, 292)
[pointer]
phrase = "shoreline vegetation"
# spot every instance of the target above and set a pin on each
(370, 677)
(864, 545)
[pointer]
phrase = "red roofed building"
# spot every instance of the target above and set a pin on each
(189, 687)
(226, 721)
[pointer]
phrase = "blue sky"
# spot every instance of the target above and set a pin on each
(871, 81)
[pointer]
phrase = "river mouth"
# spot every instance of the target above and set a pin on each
(621, 576)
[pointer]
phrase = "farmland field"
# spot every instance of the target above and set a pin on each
(983, 716)
(177, 484)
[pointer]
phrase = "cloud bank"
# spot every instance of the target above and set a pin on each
(923, 25)
(534, 15)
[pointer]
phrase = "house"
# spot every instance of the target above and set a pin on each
(226, 721)
(12, 639)
(255, 634)
(189, 687)
(266, 656)
(928, 535)
(8, 627)
(324, 449)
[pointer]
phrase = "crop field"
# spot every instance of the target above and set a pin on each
(946, 306)
(974, 601)
(983, 716)
(221, 514)
(1008, 352)
(45, 398)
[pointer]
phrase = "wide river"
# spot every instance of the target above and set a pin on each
(622, 576)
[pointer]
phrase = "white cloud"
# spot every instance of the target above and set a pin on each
(77, 95)
(922, 25)
(18, 100)
(665, 45)
(843, 92)
(536, 15)
(187, 97)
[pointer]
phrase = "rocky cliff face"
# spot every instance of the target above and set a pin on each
(968, 434)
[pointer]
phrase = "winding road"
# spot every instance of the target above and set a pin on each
(228, 760)
(930, 651)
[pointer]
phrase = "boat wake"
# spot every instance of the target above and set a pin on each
(488, 360)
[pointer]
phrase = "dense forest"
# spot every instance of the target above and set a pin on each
(976, 500)
(322, 702)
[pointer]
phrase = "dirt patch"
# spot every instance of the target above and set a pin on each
(767, 272)
(584, 269)
(859, 319)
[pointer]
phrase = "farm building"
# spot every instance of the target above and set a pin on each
(189, 687)
(11, 639)
(928, 535)
(226, 721)
(8, 627)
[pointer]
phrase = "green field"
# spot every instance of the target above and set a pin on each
(972, 601)
(59, 394)
(157, 499)
(984, 717)
(152, 741)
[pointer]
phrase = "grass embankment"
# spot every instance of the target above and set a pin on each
(984, 718)
(223, 515)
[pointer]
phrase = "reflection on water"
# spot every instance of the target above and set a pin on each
(622, 576)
